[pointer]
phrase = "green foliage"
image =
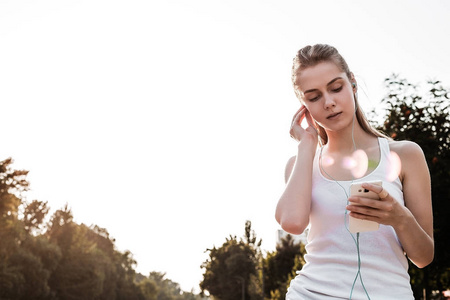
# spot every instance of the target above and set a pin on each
(14, 259)
(407, 115)
(63, 259)
(280, 267)
(33, 216)
(424, 119)
(90, 267)
(232, 270)
(149, 289)
(167, 289)
(157, 287)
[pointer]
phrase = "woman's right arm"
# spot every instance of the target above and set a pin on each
(294, 206)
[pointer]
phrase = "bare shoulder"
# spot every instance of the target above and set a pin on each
(289, 166)
(406, 149)
(411, 156)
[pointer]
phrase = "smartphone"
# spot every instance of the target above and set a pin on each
(358, 225)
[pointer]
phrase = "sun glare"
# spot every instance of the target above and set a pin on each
(394, 166)
(327, 161)
(362, 163)
(357, 163)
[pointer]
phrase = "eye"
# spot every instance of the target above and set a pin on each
(313, 99)
(336, 90)
(312, 96)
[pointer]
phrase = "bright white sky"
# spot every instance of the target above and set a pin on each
(166, 122)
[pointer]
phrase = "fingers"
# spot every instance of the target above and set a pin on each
(301, 114)
(309, 119)
(383, 203)
(358, 203)
(385, 215)
(382, 193)
(380, 210)
(297, 131)
(296, 122)
(297, 115)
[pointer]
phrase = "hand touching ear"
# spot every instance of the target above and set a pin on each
(297, 132)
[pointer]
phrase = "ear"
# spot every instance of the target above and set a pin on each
(353, 83)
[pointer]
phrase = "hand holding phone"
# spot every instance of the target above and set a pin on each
(358, 225)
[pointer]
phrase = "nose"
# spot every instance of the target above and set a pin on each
(329, 101)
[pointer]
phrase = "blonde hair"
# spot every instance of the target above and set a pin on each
(310, 56)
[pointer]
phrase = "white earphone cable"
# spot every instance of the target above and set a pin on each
(358, 274)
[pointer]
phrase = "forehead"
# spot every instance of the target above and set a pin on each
(318, 76)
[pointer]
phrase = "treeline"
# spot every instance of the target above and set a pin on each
(239, 270)
(61, 259)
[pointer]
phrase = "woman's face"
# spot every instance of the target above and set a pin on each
(327, 93)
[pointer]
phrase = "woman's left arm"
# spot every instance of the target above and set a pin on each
(415, 230)
(413, 222)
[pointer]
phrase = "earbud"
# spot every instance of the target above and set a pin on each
(356, 96)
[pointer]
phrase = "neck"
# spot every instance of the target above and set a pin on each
(345, 141)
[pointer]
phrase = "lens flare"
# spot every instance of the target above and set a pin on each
(327, 161)
(357, 163)
(348, 162)
(362, 163)
(394, 166)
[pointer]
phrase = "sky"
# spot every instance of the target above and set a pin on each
(167, 122)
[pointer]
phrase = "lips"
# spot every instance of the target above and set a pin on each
(334, 115)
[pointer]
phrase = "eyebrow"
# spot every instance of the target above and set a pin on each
(328, 84)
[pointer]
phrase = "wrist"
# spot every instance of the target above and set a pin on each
(307, 143)
(306, 151)
(404, 221)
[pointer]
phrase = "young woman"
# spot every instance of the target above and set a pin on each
(341, 264)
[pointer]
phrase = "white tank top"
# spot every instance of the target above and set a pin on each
(332, 260)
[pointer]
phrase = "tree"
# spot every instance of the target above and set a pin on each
(149, 289)
(33, 216)
(90, 267)
(68, 260)
(232, 270)
(280, 267)
(424, 119)
(21, 272)
(12, 184)
(167, 289)
(157, 287)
